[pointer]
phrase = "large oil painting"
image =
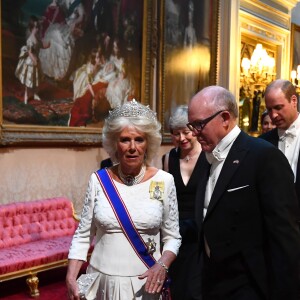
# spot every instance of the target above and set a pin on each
(188, 54)
(295, 46)
(66, 63)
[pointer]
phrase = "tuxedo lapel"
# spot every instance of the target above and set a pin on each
(271, 136)
(274, 137)
(231, 165)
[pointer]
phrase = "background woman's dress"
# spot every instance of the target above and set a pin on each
(185, 270)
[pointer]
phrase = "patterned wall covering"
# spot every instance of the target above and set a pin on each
(30, 174)
(35, 173)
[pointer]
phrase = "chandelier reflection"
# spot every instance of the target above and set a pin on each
(295, 78)
(256, 73)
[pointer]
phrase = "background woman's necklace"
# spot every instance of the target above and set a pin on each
(189, 157)
(132, 180)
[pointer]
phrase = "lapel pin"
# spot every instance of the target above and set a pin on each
(236, 161)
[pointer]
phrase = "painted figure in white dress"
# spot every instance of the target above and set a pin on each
(28, 70)
(119, 88)
(62, 32)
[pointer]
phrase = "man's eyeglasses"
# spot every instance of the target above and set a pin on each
(199, 125)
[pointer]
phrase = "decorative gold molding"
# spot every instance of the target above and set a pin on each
(29, 135)
(290, 4)
(269, 11)
(263, 29)
(256, 30)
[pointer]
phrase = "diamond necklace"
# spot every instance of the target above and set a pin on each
(129, 179)
(189, 157)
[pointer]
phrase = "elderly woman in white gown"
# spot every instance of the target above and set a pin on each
(131, 135)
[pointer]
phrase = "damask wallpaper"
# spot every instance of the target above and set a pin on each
(31, 174)
(35, 173)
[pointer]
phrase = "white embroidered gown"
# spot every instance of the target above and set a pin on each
(113, 256)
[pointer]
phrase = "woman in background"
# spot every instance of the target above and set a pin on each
(184, 163)
(266, 122)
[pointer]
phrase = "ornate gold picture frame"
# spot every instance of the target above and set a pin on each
(187, 58)
(295, 46)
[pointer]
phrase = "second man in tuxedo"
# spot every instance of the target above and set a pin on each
(281, 102)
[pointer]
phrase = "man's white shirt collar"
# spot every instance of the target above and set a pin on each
(221, 150)
(291, 131)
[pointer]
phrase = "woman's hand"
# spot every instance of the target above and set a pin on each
(74, 266)
(72, 287)
(156, 276)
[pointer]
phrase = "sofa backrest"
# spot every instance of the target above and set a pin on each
(23, 222)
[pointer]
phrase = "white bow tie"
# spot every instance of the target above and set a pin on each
(283, 134)
(214, 156)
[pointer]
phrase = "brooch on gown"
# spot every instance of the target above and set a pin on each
(156, 190)
(151, 246)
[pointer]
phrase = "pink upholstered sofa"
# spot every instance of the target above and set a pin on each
(35, 236)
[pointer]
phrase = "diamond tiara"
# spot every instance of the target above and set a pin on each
(132, 109)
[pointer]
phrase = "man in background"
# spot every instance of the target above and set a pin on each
(282, 102)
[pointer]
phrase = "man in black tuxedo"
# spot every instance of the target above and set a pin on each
(281, 102)
(245, 208)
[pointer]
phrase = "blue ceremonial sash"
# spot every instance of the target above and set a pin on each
(124, 219)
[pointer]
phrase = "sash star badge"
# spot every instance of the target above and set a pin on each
(156, 190)
(151, 246)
